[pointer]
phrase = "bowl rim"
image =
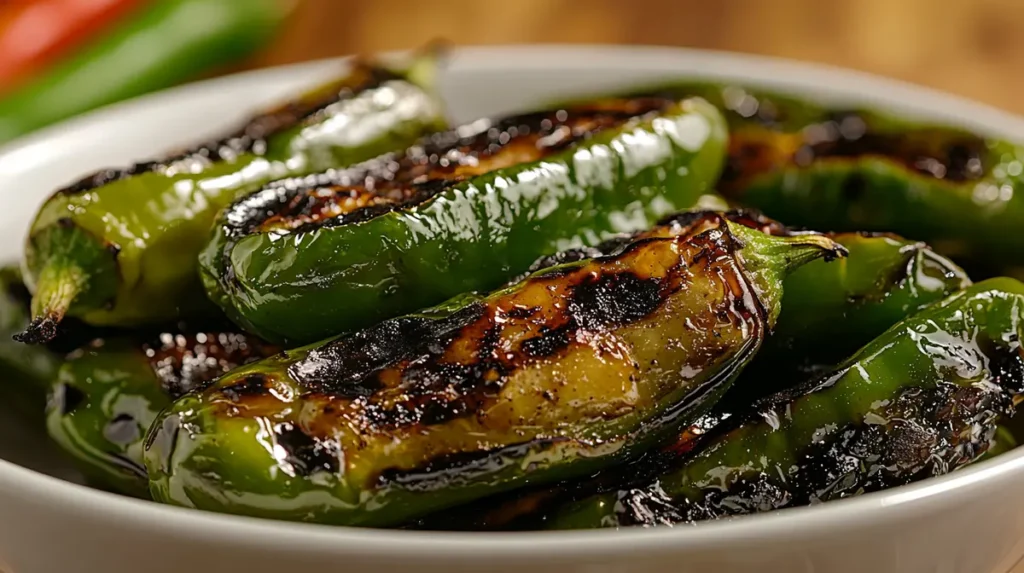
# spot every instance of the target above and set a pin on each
(822, 81)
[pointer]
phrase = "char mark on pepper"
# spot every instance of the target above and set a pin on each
(252, 137)
(440, 161)
(848, 136)
(414, 373)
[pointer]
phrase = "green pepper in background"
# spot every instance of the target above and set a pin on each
(463, 211)
(835, 168)
(921, 400)
(166, 43)
(107, 394)
(119, 247)
(832, 309)
(578, 367)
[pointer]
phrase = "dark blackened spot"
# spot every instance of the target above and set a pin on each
(521, 312)
(345, 368)
(67, 398)
(547, 343)
(113, 249)
(122, 430)
(41, 330)
(305, 453)
(1006, 363)
(613, 299)
(251, 385)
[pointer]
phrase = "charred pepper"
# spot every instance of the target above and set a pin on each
(882, 280)
(844, 168)
(119, 247)
(107, 394)
(921, 400)
(829, 311)
(463, 211)
(577, 367)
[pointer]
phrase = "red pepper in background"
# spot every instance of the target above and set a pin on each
(35, 33)
(162, 44)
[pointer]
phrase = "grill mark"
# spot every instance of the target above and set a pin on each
(615, 299)
(304, 453)
(186, 362)
(252, 137)
(935, 153)
(439, 161)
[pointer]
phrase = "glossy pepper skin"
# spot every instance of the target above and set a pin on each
(119, 247)
(835, 168)
(921, 400)
(883, 279)
(106, 395)
(829, 311)
(463, 211)
(181, 39)
(578, 367)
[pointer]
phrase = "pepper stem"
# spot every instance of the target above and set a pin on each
(769, 259)
(58, 285)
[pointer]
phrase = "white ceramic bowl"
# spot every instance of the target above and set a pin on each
(969, 522)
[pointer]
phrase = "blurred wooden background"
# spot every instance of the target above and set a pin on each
(973, 48)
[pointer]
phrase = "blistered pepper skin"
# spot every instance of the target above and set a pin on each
(106, 395)
(577, 367)
(119, 247)
(921, 400)
(464, 211)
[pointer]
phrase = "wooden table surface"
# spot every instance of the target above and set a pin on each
(972, 48)
(969, 47)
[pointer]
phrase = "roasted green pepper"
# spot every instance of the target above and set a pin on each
(579, 366)
(464, 211)
(107, 394)
(882, 280)
(119, 247)
(921, 400)
(829, 310)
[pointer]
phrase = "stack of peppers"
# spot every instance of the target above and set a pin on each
(60, 58)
